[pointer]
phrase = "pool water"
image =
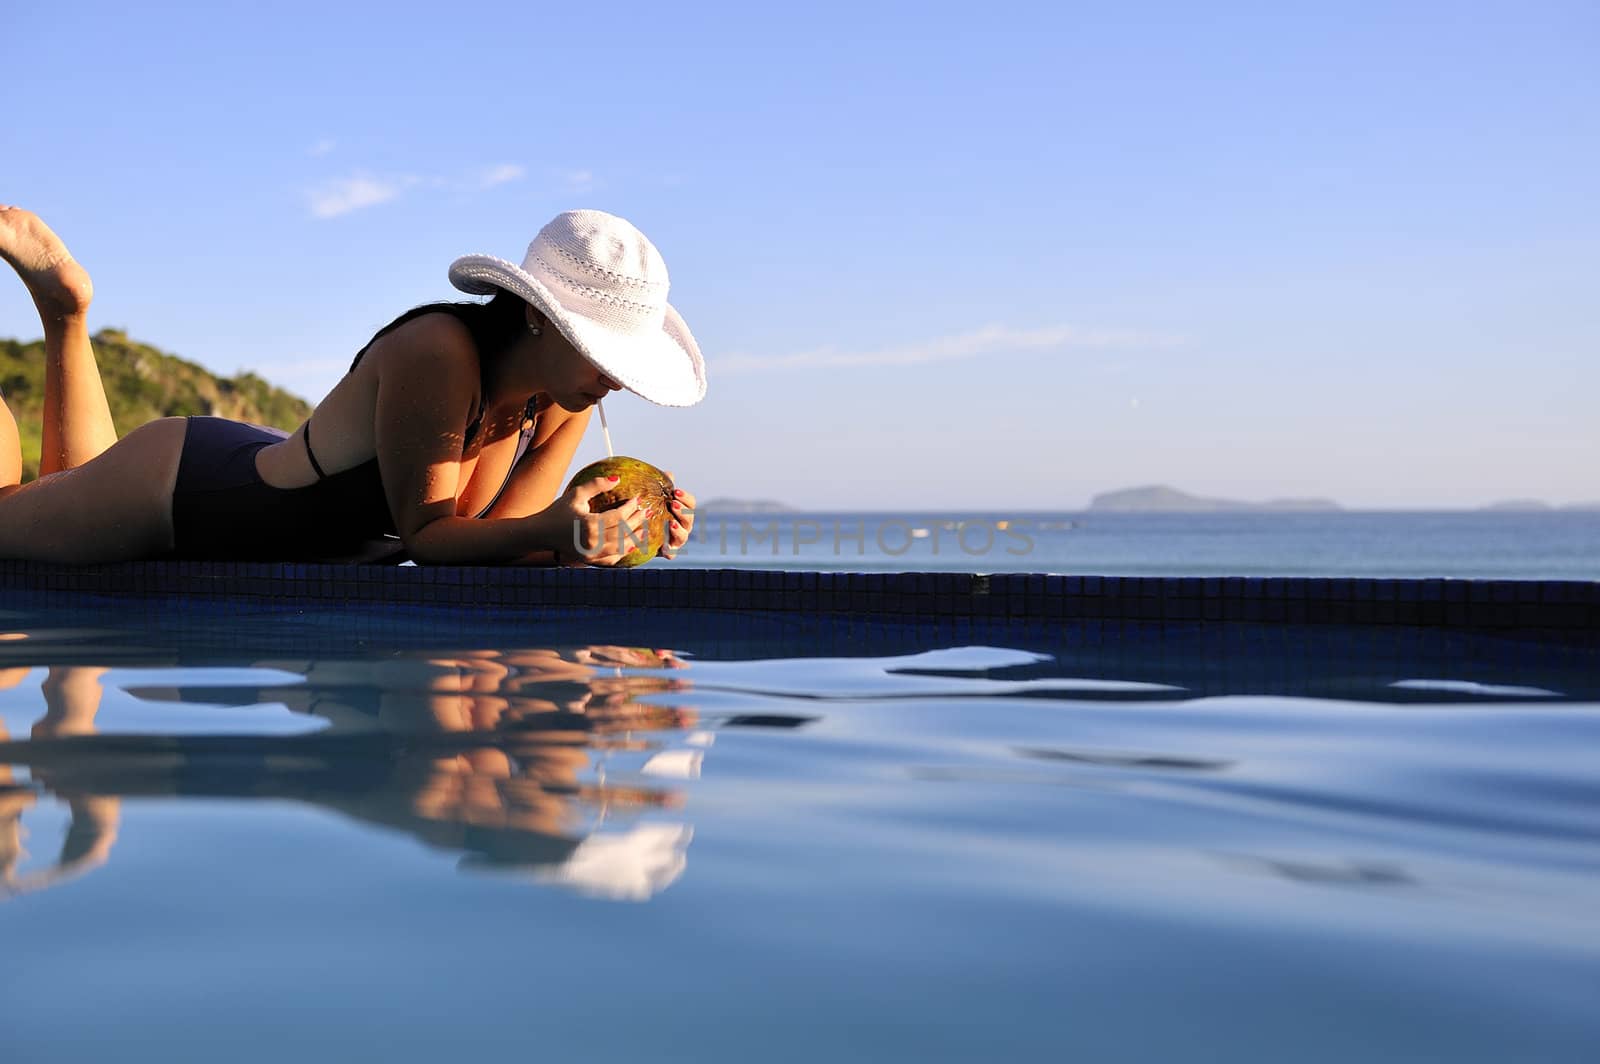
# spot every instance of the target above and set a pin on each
(411, 836)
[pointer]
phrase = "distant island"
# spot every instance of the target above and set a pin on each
(744, 506)
(1537, 506)
(142, 383)
(1159, 498)
(1518, 506)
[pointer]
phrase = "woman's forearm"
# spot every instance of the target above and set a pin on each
(487, 541)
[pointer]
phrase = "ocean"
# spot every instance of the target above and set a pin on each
(1476, 545)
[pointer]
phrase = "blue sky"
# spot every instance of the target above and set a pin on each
(946, 257)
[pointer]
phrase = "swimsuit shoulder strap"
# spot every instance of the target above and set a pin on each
(530, 421)
(305, 434)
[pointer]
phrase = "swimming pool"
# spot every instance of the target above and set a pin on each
(345, 824)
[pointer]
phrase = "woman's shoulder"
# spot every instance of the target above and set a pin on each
(438, 338)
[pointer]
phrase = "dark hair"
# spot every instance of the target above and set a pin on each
(494, 325)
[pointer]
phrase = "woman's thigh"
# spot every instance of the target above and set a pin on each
(117, 507)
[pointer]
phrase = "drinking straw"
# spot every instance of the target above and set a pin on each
(600, 406)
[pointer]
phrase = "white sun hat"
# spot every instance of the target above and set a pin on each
(604, 286)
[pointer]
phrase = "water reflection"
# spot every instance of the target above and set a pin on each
(1348, 873)
(557, 764)
(72, 697)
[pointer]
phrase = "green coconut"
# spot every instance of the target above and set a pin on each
(637, 478)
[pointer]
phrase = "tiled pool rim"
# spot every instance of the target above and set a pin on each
(1566, 606)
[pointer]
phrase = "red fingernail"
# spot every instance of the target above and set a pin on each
(677, 491)
(614, 478)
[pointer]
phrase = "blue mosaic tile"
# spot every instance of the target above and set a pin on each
(1004, 599)
(1530, 615)
(1017, 584)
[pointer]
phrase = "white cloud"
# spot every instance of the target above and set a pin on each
(345, 194)
(342, 195)
(499, 175)
(322, 147)
(990, 340)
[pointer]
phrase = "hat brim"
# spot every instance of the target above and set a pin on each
(664, 367)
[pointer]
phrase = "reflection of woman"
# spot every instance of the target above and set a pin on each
(72, 697)
(453, 429)
(493, 755)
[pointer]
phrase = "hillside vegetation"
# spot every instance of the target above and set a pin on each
(142, 383)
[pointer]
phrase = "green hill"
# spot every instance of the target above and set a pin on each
(142, 383)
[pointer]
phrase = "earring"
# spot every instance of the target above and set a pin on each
(534, 329)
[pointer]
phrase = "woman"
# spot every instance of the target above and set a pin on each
(453, 429)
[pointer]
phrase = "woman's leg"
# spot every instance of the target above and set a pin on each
(77, 421)
(117, 507)
(10, 448)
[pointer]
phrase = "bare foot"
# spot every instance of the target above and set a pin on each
(59, 286)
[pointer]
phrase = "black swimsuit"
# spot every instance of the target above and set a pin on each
(222, 509)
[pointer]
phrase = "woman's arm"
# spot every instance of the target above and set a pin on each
(536, 481)
(425, 387)
(537, 478)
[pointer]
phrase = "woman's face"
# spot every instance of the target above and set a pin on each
(582, 384)
(572, 381)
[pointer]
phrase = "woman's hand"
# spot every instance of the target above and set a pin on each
(584, 538)
(681, 525)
